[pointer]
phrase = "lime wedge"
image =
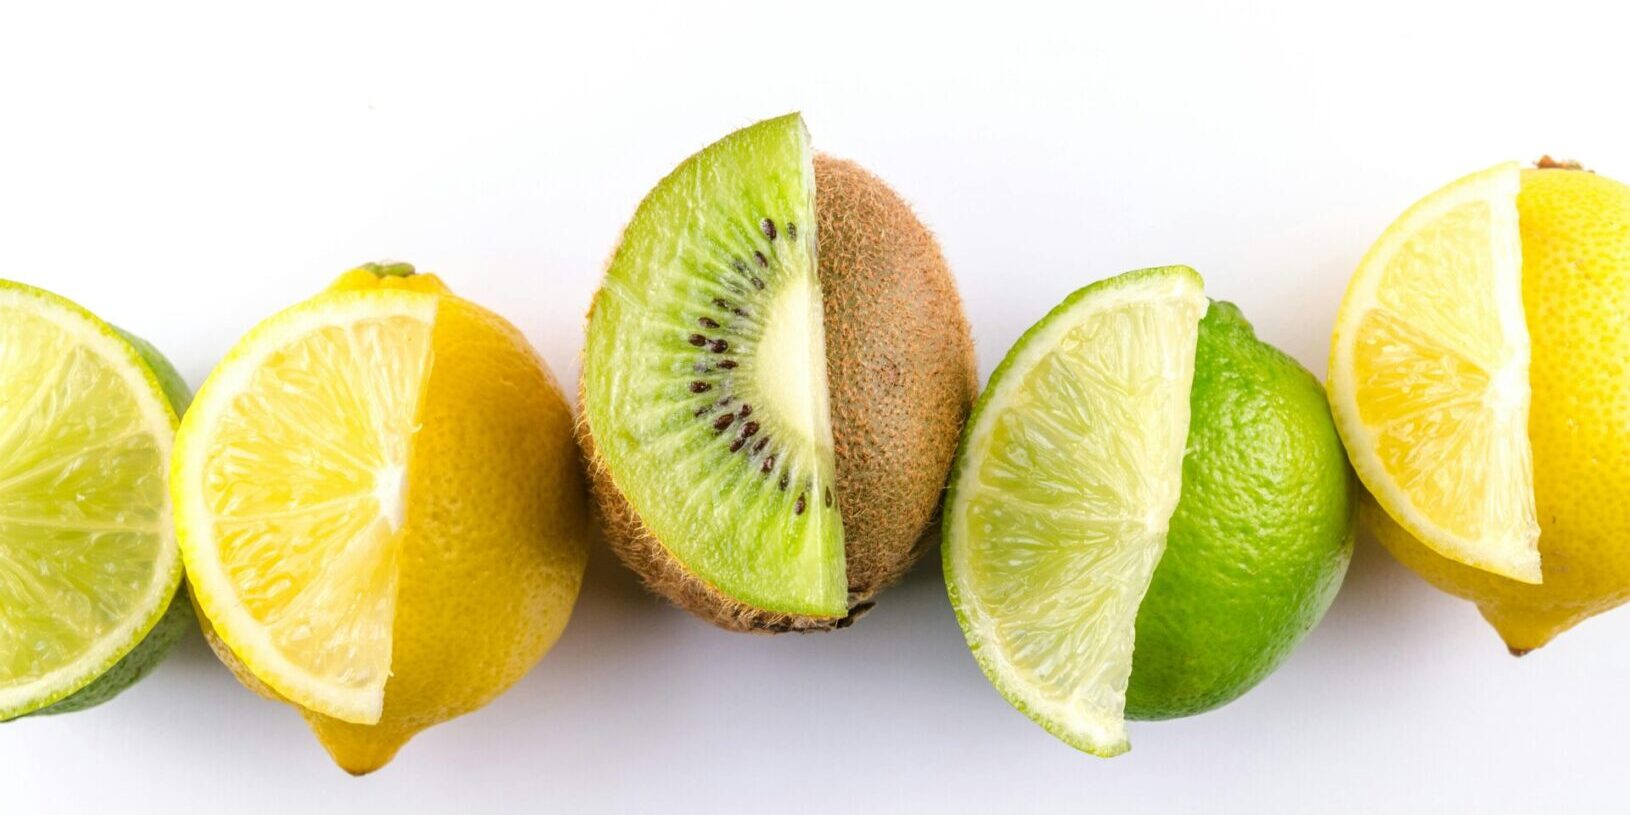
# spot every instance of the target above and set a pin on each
(88, 559)
(1069, 472)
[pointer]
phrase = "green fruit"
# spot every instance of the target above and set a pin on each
(1262, 534)
(141, 660)
(169, 379)
(1060, 499)
(704, 379)
(768, 429)
(178, 619)
(87, 417)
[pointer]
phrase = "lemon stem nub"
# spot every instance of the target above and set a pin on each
(389, 269)
(1547, 163)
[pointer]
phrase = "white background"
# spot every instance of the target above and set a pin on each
(186, 171)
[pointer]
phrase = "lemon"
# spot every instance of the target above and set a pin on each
(1062, 494)
(1575, 235)
(88, 560)
(1429, 376)
(378, 498)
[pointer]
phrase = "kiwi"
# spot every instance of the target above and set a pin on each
(769, 428)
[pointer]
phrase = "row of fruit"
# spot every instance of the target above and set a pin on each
(382, 503)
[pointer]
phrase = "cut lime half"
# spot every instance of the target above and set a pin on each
(88, 558)
(1069, 472)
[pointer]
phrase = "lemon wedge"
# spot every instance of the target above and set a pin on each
(1429, 376)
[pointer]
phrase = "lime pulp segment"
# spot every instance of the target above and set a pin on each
(88, 561)
(1059, 505)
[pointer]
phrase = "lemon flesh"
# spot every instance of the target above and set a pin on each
(88, 562)
(289, 481)
(1070, 470)
(1429, 376)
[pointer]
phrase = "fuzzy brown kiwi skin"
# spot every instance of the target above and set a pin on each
(902, 378)
(900, 367)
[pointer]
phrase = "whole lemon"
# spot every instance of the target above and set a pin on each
(1576, 294)
(495, 540)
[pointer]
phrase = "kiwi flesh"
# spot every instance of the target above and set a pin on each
(707, 415)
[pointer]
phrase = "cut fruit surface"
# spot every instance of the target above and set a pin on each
(1429, 376)
(1059, 503)
(88, 561)
(705, 375)
(289, 484)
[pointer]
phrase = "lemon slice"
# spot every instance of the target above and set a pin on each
(1070, 470)
(1429, 376)
(289, 481)
(88, 561)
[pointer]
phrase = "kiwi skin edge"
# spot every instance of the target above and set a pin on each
(902, 378)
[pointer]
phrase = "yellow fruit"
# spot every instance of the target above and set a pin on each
(1576, 291)
(1429, 376)
(379, 503)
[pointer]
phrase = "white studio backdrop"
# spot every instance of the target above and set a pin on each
(186, 170)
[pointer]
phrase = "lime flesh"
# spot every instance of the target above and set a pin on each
(88, 560)
(1059, 504)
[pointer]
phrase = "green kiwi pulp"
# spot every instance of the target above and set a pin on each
(704, 389)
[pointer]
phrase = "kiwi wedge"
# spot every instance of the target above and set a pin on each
(724, 460)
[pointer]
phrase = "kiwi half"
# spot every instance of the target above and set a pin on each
(726, 468)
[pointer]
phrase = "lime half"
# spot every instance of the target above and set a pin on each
(88, 559)
(1069, 472)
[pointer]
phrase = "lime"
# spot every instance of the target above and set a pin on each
(88, 560)
(1261, 537)
(1069, 471)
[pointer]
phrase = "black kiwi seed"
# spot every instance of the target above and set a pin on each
(792, 230)
(707, 322)
(721, 303)
(739, 265)
(749, 430)
(702, 410)
(746, 410)
(736, 445)
(783, 484)
(723, 422)
(700, 387)
(829, 496)
(760, 446)
(798, 506)
(698, 340)
(727, 364)
(769, 462)
(757, 283)
(719, 346)
(769, 228)
(763, 261)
